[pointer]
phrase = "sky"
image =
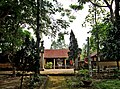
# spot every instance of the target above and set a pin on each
(79, 31)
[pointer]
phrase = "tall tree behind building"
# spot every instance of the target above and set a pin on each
(74, 50)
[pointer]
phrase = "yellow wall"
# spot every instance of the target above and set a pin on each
(113, 63)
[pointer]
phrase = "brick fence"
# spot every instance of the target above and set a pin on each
(5, 65)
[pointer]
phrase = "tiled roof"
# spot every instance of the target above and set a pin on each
(56, 53)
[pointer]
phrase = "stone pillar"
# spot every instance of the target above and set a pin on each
(54, 63)
(76, 63)
(65, 63)
(42, 55)
(42, 60)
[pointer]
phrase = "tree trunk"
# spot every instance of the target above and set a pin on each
(118, 64)
(89, 59)
(116, 10)
(76, 63)
(21, 83)
(117, 19)
(112, 15)
(14, 71)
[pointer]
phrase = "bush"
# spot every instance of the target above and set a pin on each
(73, 82)
(49, 65)
(33, 82)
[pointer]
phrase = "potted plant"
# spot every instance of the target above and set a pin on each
(86, 80)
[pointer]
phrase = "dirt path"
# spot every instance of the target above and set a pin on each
(56, 82)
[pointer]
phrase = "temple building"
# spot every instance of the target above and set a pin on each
(58, 57)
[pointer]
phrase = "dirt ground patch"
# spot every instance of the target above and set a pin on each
(8, 82)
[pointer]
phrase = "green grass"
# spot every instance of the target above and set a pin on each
(108, 84)
(75, 83)
(56, 82)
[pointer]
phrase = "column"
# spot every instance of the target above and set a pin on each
(65, 63)
(54, 63)
(42, 61)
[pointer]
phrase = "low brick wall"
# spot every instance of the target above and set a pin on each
(5, 65)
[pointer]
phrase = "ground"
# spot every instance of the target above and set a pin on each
(56, 82)
(8, 82)
(59, 82)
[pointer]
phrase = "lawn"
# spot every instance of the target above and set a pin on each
(75, 83)
(108, 84)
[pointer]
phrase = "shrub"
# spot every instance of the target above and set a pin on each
(49, 65)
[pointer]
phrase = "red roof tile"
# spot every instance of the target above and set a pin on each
(56, 53)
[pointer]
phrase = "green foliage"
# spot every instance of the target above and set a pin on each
(83, 71)
(101, 14)
(60, 43)
(84, 74)
(76, 7)
(104, 28)
(111, 45)
(73, 47)
(16, 14)
(107, 84)
(25, 58)
(34, 82)
(116, 74)
(49, 65)
(79, 5)
(84, 51)
(73, 82)
(12, 40)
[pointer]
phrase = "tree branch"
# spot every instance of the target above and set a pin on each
(95, 4)
(5, 13)
(111, 2)
(107, 3)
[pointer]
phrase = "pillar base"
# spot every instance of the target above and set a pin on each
(41, 69)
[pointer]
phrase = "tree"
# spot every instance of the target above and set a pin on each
(103, 31)
(20, 14)
(74, 51)
(102, 35)
(84, 51)
(101, 3)
(11, 42)
(25, 58)
(60, 43)
(23, 13)
(111, 44)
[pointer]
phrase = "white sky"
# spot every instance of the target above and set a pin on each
(76, 26)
